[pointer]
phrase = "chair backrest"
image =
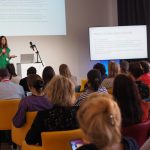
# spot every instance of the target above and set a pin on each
(83, 82)
(58, 140)
(140, 132)
(8, 108)
(19, 134)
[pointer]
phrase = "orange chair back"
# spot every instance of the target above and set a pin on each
(19, 134)
(60, 139)
(8, 108)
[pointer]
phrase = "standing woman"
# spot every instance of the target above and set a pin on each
(4, 52)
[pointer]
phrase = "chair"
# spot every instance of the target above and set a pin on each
(140, 132)
(56, 140)
(8, 108)
(83, 83)
(18, 134)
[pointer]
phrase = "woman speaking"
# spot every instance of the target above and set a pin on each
(4, 52)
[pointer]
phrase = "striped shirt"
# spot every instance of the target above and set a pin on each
(85, 95)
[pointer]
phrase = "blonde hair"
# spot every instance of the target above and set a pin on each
(60, 91)
(64, 71)
(113, 69)
(100, 119)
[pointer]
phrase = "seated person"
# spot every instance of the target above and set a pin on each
(93, 85)
(23, 82)
(133, 109)
(62, 116)
(65, 71)
(8, 89)
(100, 119)
(36, 102)
(145, 77)
(113, 71)
(48, 74)
(102, 70)
(136, 71)
(13, 76)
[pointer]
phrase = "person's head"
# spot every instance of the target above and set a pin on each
(100, 119)
(60, 91)
(135, 69)
(145, 66)
(35, 84)
(31, 70)
(126, 94)
(64, 71)
(94, 79)
(4, 74)
(48, 74)
(113, 69)
(3, 42)
(100, 67)
(11, 69)
(124, 66)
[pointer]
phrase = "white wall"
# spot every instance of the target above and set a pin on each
(72, 49)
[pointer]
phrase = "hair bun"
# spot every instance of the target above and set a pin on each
(39, 84)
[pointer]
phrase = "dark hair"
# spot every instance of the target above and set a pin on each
(124, 66)
(128, 98)
(31, 70)
(100, 67)
(11, 69)
(135, 69)
(36, 82)
(145, 66)
(4, 73)
(3, 46)
(48, 74)
(94, 79)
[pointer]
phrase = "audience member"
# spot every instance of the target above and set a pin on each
(8, 89)
(60, 92)
(13, 76)
(145, 77)
(36, 102)
(93, 85)
(64, 71)
(100, 67)
(113, 70)
(124, 67)
(48, 74)
(100, 119)
(134, 110)
(23, 82)
(136, 71)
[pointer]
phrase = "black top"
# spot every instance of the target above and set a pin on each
(23, 83)
(56, 119)
(129, 144)
(143, 89)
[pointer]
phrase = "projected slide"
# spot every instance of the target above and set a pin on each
(122, 42)
(32, 17)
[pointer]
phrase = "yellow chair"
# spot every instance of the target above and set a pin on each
(18, 134)
(83, 82)
(8, 108)
(56, 140)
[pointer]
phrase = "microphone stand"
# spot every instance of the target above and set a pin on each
(38, 56)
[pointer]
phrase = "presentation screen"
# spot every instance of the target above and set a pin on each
(32, 17)
(119, 42)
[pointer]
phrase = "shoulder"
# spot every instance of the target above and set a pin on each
(129, 143)
(7, 49)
